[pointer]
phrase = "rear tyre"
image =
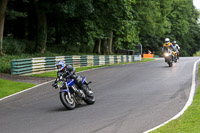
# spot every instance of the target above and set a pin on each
(67, 100)
(89, 99)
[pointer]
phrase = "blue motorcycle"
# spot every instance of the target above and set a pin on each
(71, 95)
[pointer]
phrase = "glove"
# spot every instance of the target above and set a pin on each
(54, 84)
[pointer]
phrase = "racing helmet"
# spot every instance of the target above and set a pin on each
(69, 68)
(174, 42)
(60, 65)
(167, 40)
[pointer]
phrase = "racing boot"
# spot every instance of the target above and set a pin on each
(86, 90)
(83, 87)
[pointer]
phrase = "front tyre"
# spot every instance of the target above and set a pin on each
(170, 62)
(67, 100)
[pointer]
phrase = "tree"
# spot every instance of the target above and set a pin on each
(41, 35)
(101, 26)
(153, 23)
(114, 24)
(183, 18)
(3, 5)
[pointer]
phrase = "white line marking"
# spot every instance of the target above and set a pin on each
(189, 102)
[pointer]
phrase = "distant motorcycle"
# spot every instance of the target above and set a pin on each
(168, 55)
(177, 54)
(71, 95)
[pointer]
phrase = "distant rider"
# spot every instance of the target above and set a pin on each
(69, 72)
(167, 45)
(177, 48)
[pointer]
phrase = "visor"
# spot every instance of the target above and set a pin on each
(59, 66)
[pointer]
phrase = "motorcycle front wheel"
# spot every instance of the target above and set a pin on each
(170, 62)
(67, 100)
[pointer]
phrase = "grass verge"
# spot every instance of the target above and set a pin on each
(54, 73)
(189, 122)
(10, 87)
(197, 53)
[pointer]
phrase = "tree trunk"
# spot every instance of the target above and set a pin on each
(104, 46)
(58, 31)
(41, 32)
(41, 38)
(110, 43)
(3, 5)
(32, 28)
(97, 47)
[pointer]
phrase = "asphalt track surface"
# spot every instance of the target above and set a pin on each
(130, 98)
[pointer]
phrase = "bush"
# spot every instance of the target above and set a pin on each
(13, 46)
(5, 63)
(30, 46)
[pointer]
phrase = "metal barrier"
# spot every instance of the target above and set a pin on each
(43, 64)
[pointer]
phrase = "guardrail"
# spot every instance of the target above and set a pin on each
(42, 64)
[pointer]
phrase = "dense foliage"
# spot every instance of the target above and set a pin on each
(99, 26)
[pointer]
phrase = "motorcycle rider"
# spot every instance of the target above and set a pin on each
(177, 48)
(69, 72)
(167, 45)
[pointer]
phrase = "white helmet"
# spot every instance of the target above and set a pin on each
(167, 40)
(174, 42)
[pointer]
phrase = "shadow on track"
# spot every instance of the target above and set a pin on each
(61, 109)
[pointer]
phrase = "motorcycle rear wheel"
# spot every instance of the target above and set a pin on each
(89, 99)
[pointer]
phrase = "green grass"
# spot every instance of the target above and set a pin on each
(10, 87)
(197, 53)
(189, 122)
(54, 73)
(145, 60)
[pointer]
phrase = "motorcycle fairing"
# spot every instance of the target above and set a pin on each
(70, 82)
(83, 80)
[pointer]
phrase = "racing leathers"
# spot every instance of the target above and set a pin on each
(170, 46)
(177, 49)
